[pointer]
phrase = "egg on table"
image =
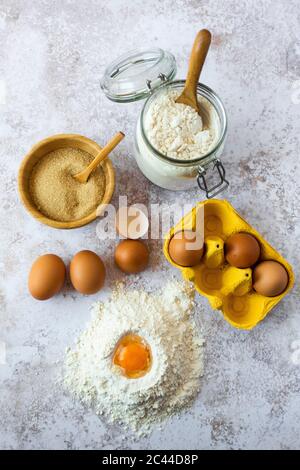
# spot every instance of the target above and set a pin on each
(270, 278)
(87, 272)
(46, 277)
(242, 250)
(186, 248)
(131, 222)
(131, 256)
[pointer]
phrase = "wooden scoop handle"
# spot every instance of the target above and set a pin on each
(83, 176)
(197, 59)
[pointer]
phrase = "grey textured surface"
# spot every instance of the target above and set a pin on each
(52, 56)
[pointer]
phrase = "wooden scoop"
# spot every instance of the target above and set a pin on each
(197, 59)
(83, 176)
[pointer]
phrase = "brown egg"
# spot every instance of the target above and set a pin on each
(87, 272)
(46, 277)
(131, 256)
(270, 278)
(131, 222)
(242, 250)
(183, 254)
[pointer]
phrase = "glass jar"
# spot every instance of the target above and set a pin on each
(147, 74)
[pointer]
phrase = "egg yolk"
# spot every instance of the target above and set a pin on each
(133, 356)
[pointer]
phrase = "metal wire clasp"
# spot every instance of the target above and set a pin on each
(219, 187)
(151, 84)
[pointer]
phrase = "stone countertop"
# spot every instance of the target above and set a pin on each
(52, 56)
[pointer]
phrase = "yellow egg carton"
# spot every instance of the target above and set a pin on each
(227, 288)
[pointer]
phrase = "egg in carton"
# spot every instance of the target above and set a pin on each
(228, 288)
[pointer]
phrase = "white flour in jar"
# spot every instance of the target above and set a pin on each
(165, 321)
(177, 130)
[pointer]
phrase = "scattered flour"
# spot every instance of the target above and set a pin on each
(177, 130)
(165, 321)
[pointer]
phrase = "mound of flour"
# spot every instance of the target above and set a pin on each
(165, 321)
(177, 130)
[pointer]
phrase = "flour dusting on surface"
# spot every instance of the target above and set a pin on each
(165, 321)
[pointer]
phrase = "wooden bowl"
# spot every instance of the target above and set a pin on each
(48, 145)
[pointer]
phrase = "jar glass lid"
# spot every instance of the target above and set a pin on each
(132, 76)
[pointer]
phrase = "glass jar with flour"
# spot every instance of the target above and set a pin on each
(174, 146)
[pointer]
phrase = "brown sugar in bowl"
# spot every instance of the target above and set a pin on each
(48, 145)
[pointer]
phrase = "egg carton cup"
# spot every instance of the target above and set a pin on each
(227, 288)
